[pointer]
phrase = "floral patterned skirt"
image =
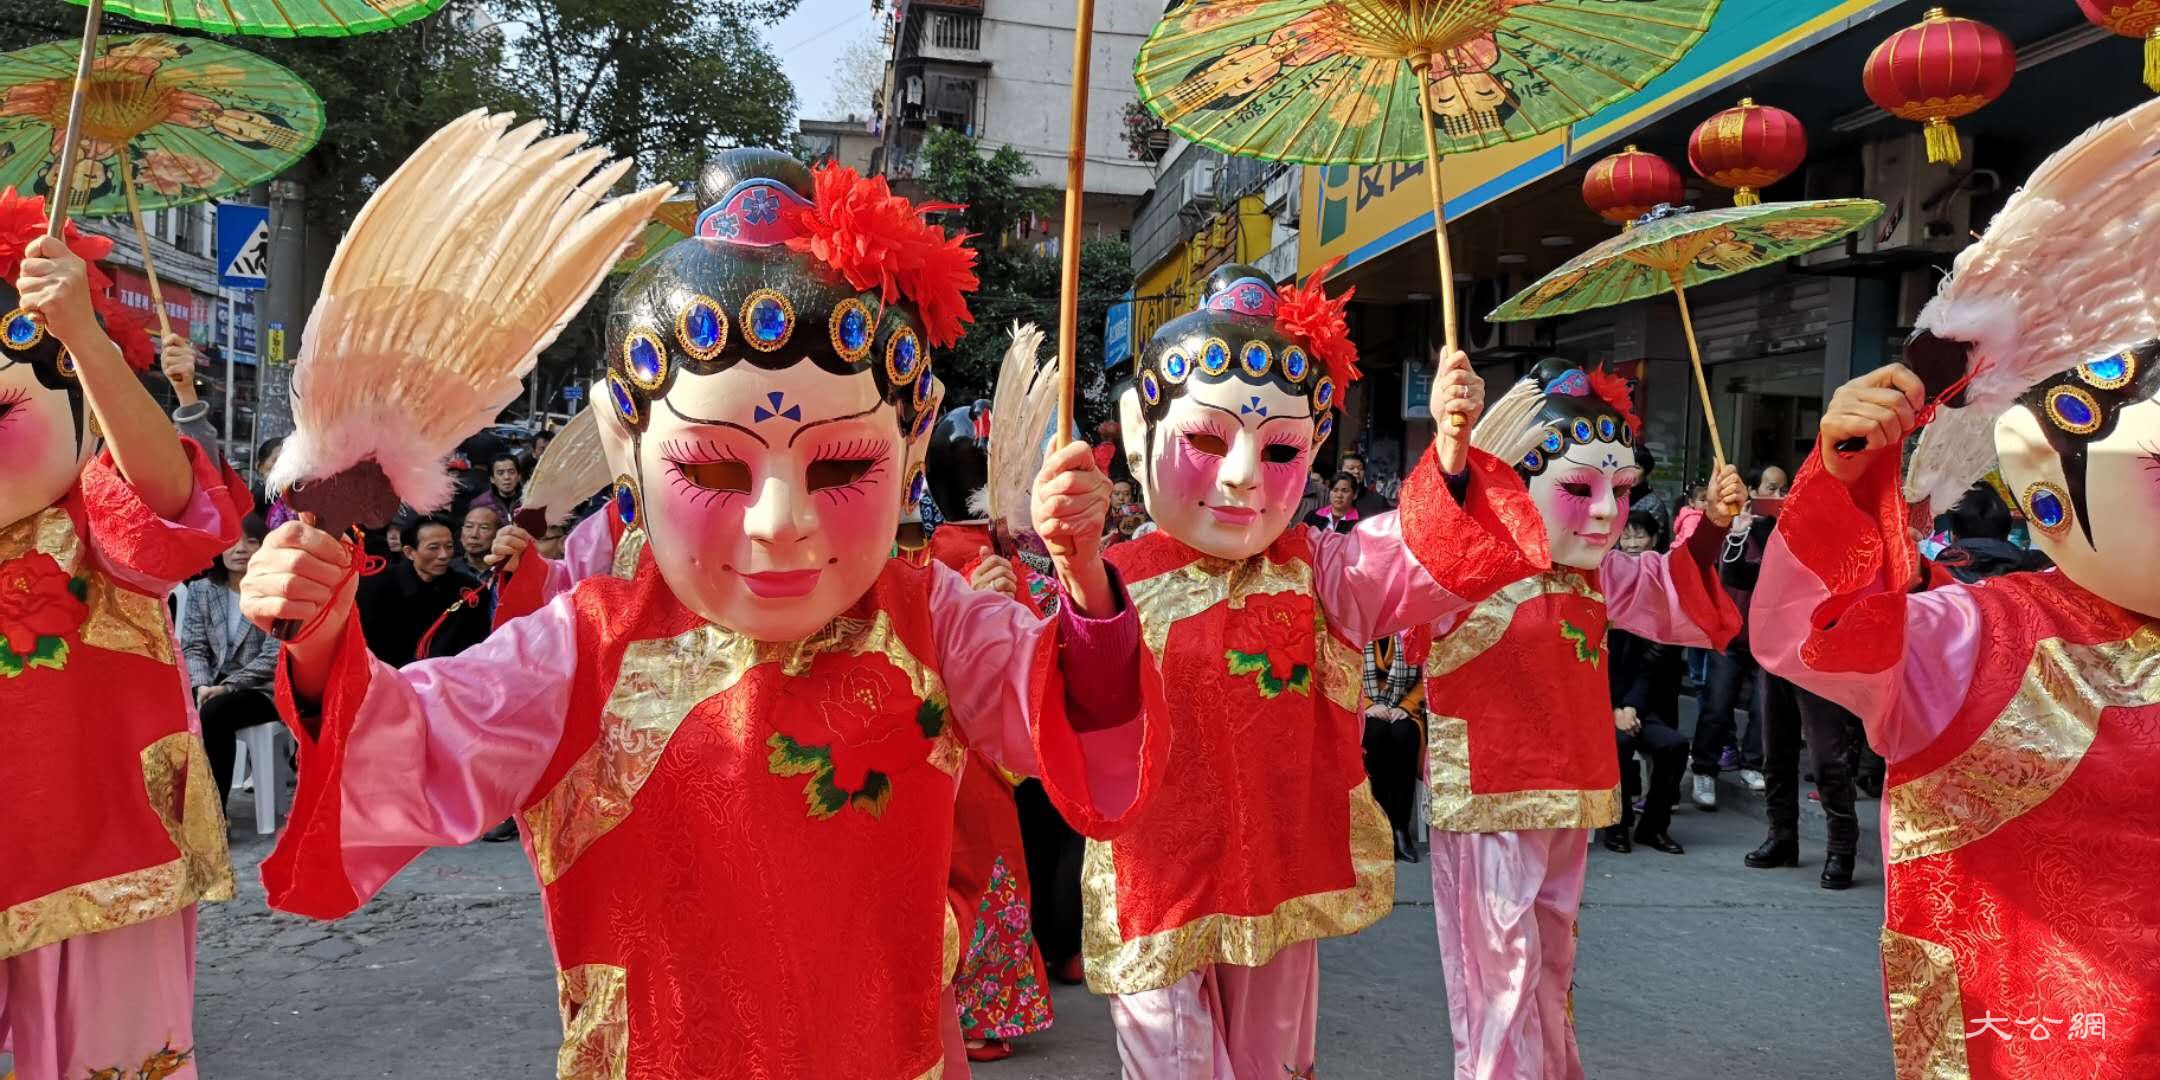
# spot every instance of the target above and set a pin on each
(1000, 987)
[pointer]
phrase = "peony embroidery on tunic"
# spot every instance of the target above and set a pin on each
(1586, 651)
(864, 727)
(157, 1066)
(1273, 642)
(40, 604)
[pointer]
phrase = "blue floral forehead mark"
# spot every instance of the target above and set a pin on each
(1252, 408)
(776, 398)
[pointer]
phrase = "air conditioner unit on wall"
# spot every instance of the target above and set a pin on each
(1927, 208)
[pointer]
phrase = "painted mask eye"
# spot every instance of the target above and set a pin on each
(1207, 443)
(1575, 488)
(837, 472)
(716, 475)
(1279, 454)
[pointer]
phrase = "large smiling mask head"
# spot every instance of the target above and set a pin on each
(45, 434)
(1571, 433)
(1228, 405)
(2081, 453)
(768, 408)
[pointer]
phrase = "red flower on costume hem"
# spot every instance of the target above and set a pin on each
(40, 604)
(876, 239)
(864, 727)
(1271, 638)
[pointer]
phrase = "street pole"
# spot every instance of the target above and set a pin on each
(232, 340)
(284, 305)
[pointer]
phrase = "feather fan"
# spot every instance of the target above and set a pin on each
(572, 469)
(2068, 272)
(1023, 415)
(462, 266)
(1509, 428)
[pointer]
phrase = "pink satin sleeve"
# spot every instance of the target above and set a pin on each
(589, 551)
(443, 750)
(1672, 596)
(1370, 585)
(1906, 705)
(989, 649)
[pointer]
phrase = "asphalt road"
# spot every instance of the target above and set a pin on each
(1691, 968)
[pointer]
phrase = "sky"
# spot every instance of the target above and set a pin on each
(810, 41)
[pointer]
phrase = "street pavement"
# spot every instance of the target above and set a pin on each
(1691, 968)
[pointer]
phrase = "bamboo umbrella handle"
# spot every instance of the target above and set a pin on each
(64, 172)
(1419, 70)
(1069, 245)
(1702, 384)
(157, 294)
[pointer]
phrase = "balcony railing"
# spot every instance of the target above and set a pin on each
(954, 31)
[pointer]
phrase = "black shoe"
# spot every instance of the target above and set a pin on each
(1781, 849)
(502, 833)
(1661, 842)
(1869, 785)
(1405, 846)
(1616, 840)
(1837, 871)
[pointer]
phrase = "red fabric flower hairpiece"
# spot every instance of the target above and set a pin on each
(1307, 313)
(22, 220)
(1614, 390)
(872, 237)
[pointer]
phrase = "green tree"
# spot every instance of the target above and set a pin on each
(1018, 284)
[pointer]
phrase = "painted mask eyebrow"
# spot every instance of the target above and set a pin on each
(875, 406)
(1307, 415)
(703, 422)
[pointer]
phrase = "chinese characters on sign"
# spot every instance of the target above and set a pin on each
(2040, 1028)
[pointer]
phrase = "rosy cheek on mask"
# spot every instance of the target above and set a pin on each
(1182, 474)
(1284, 484)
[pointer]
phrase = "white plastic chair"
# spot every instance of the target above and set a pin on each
(259, 744)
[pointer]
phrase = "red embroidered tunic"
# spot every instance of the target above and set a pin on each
(1519, 700)
(1263, 832)
(743, 847)
(2021, 722)
(111, 817)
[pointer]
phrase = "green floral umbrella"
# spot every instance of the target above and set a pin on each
(186, 118)
(1333, 82)
(674, 222)
(276, 18)
(1673, 249)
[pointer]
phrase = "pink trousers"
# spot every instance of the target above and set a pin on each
(1506, 905)
(1225, 1022)
(122, 1000)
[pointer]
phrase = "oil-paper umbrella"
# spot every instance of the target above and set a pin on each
(1358, 82)
(1672, 249)
(166, 121)
(266, 18)
(672, 224)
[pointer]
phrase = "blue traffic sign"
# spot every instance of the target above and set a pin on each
(243, 246)
(1117, 333)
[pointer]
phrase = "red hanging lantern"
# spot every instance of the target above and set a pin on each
(1747, 148)
(1938, 70)
(1630, 184)
(2131, 18)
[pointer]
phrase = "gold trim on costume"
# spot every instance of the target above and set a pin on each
(1117, 966)
(178, 787)
(1455, 808)
(660, 681)
(2030, 750)
(596, 1023)
(1927, 1012)
(120, 620)
(1167, 599)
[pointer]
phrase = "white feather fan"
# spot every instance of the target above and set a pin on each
(1023, 415)
(571, 471)
(2068, 272)
(463, 265)
(1509, 428)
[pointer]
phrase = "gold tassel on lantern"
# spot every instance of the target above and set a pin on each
(1942, 143)
(2152, 59)
(1746, 196)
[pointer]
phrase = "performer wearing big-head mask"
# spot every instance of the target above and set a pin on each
(112, 830)
(2021, 928)
(735, 769)
(1521, 764)
(1203, 919)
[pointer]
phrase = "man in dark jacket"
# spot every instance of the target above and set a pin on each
(420, 593)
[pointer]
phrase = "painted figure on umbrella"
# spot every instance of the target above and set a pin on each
(115, 832)
(2017, 717)
(1521, 760)
(767, 714)
(1204, 918)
